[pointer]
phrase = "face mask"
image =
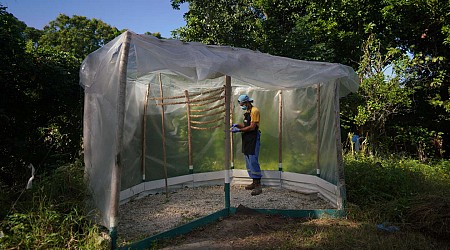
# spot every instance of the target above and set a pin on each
(244, 107)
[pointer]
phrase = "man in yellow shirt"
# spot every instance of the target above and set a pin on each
(250, 141)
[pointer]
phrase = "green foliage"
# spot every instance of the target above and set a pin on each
(10, 38)
(384, 95)
(220, 22)
(77, 35)
(370, 181)
(404, 74)
(401, 191)
(415, 139)
(155, 34)
(52, 215)
(13, 69)
(49, 229)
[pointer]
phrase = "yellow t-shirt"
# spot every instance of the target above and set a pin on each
(254, 115)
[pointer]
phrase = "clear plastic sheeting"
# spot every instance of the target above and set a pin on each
(175, 67)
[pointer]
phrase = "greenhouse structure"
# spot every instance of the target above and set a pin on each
(157, 117)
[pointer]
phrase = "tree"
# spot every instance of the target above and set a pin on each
(155, 34)
(383, 94)
(418, 31)
(14, 61)
(77, 35)
(221, 22)
(40, 104)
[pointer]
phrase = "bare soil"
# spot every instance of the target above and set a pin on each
(247, 229)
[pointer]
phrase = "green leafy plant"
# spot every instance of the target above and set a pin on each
(53, 215)
(399, 190)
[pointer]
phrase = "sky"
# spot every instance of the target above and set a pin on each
(138, 16)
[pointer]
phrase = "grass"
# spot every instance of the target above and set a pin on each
(52, 215)
(348, 234)
(406, 193)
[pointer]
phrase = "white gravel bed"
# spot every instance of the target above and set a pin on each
(155, 213)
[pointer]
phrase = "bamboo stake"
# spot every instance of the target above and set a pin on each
(206, 128)
(163, 135)
(144, 133)
(191, 164)
(342, 198)
(208, 109)
(231, 137)
(206, 115)
(210, 100)
(318, 131)
(190, 95)
(280, 131)
(227, 140)
(208, 121)
(117, 167)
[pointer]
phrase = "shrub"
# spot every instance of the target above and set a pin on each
(52, 215)
(401, 191)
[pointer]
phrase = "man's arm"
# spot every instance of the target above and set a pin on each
(248, 128)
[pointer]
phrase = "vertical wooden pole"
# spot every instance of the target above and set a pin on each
(231, 136)
(319, 131)
(280, 130)
(340, 163)
(163, 134)
(280, 134)
(188, 107)
(144, 133)
(227, 140)
(117, 168)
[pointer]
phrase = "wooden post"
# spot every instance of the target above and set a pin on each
(319, 131)
(280, 130)
(144, 133)
(188, 107)
(117, 168)
(231, 136)
(340, 163)
(163, 132)
(227, 140)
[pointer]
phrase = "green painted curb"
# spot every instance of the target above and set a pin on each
(227, 195)
(186, 228)
(149, 242)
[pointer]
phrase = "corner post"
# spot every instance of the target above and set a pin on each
(117, 168)
(341, 202)
(227, 140)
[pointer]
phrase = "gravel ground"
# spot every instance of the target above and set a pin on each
(156, 213)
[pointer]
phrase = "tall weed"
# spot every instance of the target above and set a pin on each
(52, 215)
(402, 191)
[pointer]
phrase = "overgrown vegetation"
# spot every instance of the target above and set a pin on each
(52, 214)
(404, 192)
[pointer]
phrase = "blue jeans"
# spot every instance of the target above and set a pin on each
(252, 163)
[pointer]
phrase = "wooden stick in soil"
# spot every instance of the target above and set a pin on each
(227, 140)
(231, 137)
(318, 131)
(191, 164)
(144, 133)
(117, 167)
(280, 131)
(163, 135)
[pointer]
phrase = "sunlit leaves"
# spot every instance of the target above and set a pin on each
(77, 35)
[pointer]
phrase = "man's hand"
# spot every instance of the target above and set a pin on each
(235, 125)
(235, 129)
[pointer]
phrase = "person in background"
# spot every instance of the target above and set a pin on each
(250, 141)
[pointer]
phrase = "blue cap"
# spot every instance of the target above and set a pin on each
(244, 98)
